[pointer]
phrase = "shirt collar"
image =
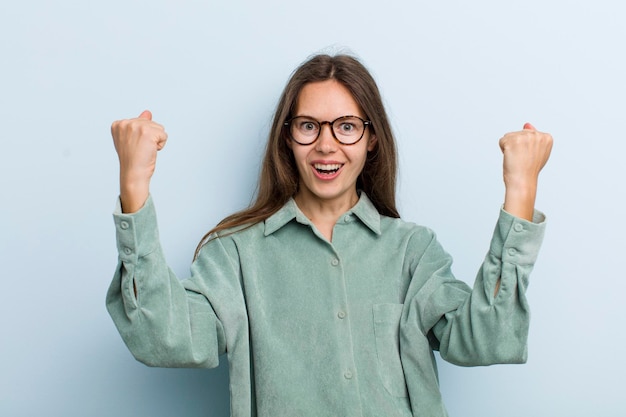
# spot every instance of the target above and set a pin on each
(364, 210)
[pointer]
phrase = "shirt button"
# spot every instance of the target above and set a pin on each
(128, 251)
(512, 251)
(341, 314)
(347, 375)
(124, 225)
(518, 227)
(347, 218)
(334, 262)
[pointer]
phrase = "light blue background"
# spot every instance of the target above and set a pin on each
(455, 76)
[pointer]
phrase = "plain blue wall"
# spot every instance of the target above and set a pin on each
(455, 76)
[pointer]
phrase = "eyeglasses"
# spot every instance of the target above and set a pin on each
(346, 130)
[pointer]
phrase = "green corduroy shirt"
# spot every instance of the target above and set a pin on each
(318, 328)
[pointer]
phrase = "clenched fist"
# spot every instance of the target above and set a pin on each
(525, 154)
(137, 142)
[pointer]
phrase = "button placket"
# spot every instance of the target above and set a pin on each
(340, 310)
(342, 322)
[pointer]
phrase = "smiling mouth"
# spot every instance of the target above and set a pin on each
(327, 169)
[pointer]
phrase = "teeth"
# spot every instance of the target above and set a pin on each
(327, 167)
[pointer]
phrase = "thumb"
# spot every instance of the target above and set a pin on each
(146, 114)
(528, 126)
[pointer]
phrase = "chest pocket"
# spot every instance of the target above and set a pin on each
(386, 328)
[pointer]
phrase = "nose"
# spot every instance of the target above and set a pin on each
(326, 141)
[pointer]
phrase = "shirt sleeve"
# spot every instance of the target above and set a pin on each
(479, 325)
(169, 322)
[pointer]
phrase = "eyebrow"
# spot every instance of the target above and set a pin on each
(336, 118)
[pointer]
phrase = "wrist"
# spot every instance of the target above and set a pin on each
(521, 183)
(133, 195)
(519, 200)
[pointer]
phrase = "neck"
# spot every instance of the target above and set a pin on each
(325, 213)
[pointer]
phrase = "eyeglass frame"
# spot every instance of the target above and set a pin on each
(366, 124)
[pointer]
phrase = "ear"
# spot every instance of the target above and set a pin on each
(371, 143)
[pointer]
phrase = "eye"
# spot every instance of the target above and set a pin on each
(347, 127)
(307, 126)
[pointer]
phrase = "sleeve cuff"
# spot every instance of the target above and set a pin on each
(517, 241)
(137, 233)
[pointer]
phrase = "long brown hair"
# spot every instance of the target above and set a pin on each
(278, 181)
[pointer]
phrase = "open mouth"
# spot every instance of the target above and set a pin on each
(327, 169)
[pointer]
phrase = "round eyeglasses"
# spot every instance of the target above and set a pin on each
(346, 130)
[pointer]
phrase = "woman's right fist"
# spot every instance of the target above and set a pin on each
(137, 142)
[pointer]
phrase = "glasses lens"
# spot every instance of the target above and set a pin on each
(348, 129)
(304, 130)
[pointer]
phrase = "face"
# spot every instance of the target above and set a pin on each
(329, 170)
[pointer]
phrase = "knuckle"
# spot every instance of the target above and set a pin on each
(142, 129)
(116, 124)
(124, 125)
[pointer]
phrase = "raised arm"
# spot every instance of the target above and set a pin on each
(164, 321)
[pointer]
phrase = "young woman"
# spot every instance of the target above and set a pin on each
(325, 301)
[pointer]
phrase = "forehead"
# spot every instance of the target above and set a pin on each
(326, 100)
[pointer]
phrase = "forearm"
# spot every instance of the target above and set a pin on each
(519, 199)
(490, 325)
(161, 322)
(133, 194)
